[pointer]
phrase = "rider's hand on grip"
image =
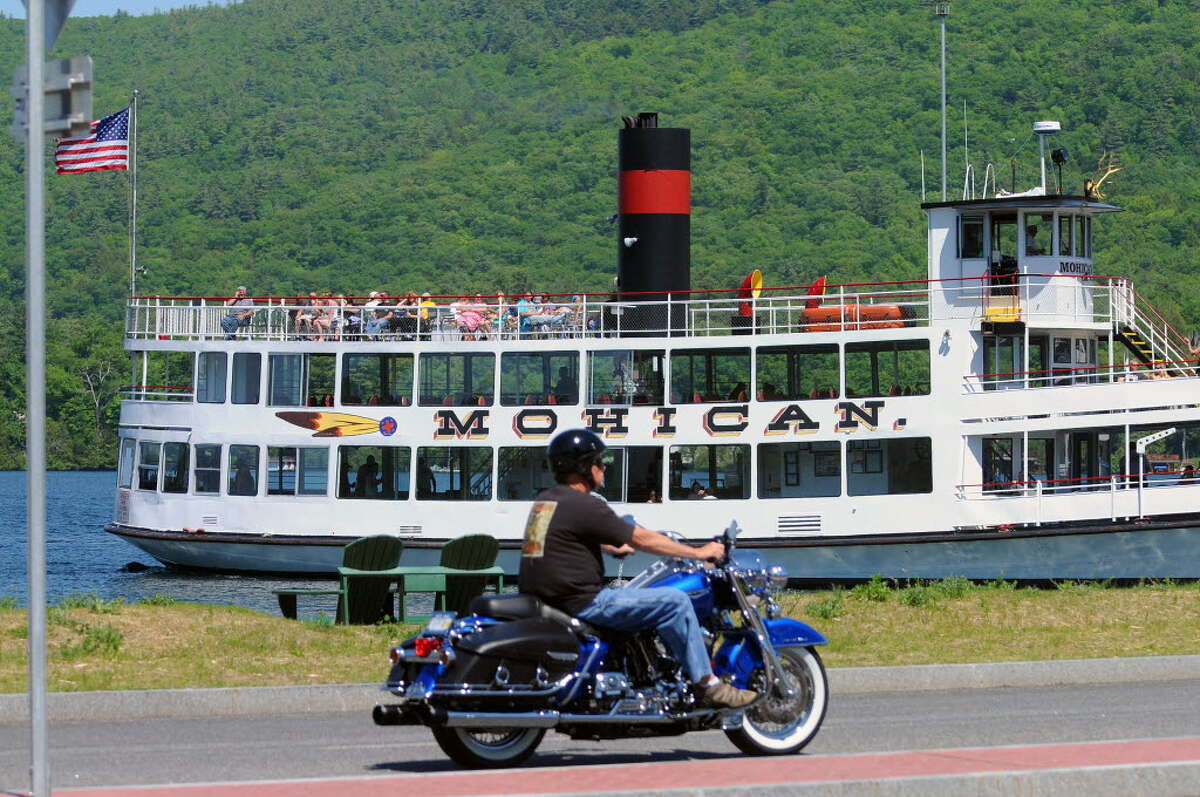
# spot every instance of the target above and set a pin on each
(712, 552)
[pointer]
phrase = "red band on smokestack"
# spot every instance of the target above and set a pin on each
(657, 191)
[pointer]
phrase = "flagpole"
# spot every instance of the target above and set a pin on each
(133, 194)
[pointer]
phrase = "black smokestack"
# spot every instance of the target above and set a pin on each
(654, 228)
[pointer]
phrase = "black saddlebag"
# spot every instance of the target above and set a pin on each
(520, 647)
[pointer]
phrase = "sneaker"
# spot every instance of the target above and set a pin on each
(723, 695)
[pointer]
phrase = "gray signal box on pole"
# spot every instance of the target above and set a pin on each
(67, 89)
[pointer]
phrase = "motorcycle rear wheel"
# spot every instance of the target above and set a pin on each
(762, 732)
(488, 748)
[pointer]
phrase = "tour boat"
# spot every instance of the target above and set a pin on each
(1013, 415)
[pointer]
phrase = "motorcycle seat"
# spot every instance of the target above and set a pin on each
(520, 607)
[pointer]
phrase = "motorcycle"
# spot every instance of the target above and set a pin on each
(491, 683)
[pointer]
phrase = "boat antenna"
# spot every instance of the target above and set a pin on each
(942, 10)
(922, 175)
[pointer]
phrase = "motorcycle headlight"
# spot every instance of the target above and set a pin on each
(779, 577)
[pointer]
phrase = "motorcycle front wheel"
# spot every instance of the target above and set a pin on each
(779, 724)
(488, 748)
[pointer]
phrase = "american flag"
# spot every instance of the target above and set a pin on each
(106, 148)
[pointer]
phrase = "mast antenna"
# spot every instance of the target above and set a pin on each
(942, 10)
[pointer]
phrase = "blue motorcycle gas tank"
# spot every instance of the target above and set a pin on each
(697, 587)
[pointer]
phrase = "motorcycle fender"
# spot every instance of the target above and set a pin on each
(785, 631)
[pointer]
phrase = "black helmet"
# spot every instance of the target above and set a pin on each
(571, 453)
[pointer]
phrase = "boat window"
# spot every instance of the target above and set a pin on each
(709, 375)
(454, 473)
(970, 236)
(626, 376)
(297, 471)
(125, 463)
(175, 467)
(1083, 236)
(378, 472)
(458, 380)
(1066, 236)
(799, 470)
(377, 379)
(710, 472)
(892, 466)
(633, 474)
(522, 473)
(243, 470)
(297, 380)
(247, 369)
(1039, 362)
(887, 368)
(794, 373)
(148, 454)
(1003, 362)
(206, 472)
(1038, 231)
(998, 467)
(1039, 461)
(169, 374)
(539, 378)
(210, 377)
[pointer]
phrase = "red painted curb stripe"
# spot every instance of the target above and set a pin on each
(708, 773)
(656, 191)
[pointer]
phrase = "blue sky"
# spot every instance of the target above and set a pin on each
(98, 8)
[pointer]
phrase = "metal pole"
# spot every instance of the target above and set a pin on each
(133, 194)
(942, 12)
(35, 396)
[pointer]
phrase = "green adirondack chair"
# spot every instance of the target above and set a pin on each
(370, 599)
(453, 593)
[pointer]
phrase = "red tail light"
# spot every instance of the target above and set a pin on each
(426, 646)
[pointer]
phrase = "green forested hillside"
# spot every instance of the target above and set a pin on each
(447, 145)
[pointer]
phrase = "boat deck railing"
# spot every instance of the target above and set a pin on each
(846, 307)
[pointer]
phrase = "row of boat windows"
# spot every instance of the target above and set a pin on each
(1043, 233)
(630, 376)
(467, 473)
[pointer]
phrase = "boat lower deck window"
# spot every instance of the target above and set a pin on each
(539, 378)
(206, 473)
(297, 471)
(800, 470)
(887, 368)
(243, 470)
(210, 377)
(374, 472)
(626, 376)
(175, 467)
(458, 380)
(148, 459)
(633, 474)
(125, 463)
(796, 373)
(709, 375)
(710, 471)
(892, 466)
(385, 380)
(522, 473)
(454, 473)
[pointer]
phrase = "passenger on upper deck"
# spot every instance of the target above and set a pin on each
(236, 319)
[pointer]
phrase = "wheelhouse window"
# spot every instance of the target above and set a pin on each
(383, 379)
(374, 472)
(633, 474)
(626, 376)
(539, 378)
(457, 380)
(206, 473)
(210, 377)
(892, 466)
(297, 471)
(148, 460)
(1083, 236)
(970, 236)
(243, 470)
(1037, 234)
(800, 470)
(247, 373)
(887, 368)
(710, 471)
(297, 380)
(709, 375)
(796, 373)
(1066, 235)
(175, 467)
(125, 463)
(522, 473)
(454, 473)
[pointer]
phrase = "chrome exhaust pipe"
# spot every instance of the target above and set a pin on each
(393, 714)
(477, 719)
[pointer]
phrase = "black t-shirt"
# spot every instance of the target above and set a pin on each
(560, 560)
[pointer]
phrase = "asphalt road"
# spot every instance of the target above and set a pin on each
(287, 746)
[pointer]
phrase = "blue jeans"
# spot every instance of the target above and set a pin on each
(665, 609)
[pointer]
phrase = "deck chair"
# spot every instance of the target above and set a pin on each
(455, 593)
(370, 599)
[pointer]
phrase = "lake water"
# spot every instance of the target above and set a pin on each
(82, 558)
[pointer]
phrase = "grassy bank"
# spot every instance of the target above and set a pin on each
(158, 644)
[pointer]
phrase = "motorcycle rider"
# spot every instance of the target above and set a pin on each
(561, 564)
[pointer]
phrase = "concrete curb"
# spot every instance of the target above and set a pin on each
(165, 703)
